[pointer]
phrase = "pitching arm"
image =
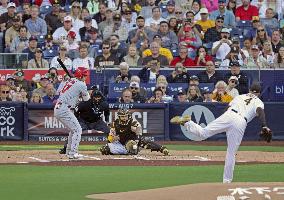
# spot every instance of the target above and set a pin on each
(261, 116)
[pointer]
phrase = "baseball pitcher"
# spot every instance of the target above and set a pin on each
(125, 137)
(234, 122)
(63, 110)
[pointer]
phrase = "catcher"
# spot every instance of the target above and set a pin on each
(125, 137)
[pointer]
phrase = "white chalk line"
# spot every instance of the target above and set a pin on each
(141, 158)
(92, 157)
(202, 158)
(39, 160)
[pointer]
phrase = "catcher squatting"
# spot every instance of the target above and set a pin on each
(125, 137)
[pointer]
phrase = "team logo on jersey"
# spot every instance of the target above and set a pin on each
(199, 114)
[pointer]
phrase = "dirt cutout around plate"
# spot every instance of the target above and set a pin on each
(203, 191)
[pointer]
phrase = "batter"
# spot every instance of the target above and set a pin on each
(63, 110)
(234, 121)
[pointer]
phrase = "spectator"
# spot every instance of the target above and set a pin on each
(76, 15)
(179, 75)
(269, 21)
(163, 51)
(261, 36)
(4, 95)
(222, 47)
(24, 95)
(233, 55)
(193, 94)
(138, 35)
(228, 15)
(53, 77)
(157, 96)
(36, 98)
(232, 6)
(204, 22)
(36, 26)
(132, 58)
(170, 10)
(12, 32)
(261, 6)
(163, 86)
(232, 83)
(155, 19)
(21, 42)
(210, 75)
(179, 15)
(6, 19)
(268, 53)
(142, 91)
(85, 15)
(214, 34)
(151, 75)
(220, 94)
(181, 96)
(211, 5)
(251, 33)
(126, 96)
(246, 11)
(116, 28)
(127, 19)
(207, 96)
(93, 6)
(38, 61)
(49, 46)
(256, 60)
(154, 47)
(116, 48)
(169, 38)
(101, 15)
(124, 75)
(242, 87)
(10, 82)
(21, 82)
(194, 80)
(107, 58)
(60, 34)
(84, 59)
(86, 28)
(44, 81)
(17, 97)
(174, 26)
(202, 57)
(135, 89)
(246, 46)
(196, 7)
(276, 41)
(62, 56)
(50, 97)
(279, 58)
(107, 22)
(197, 29)
(71, 45)
(146, 11)
(52, 19)
(26, 12)
(4, 6)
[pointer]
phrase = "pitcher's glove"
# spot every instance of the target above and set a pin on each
(266, 134)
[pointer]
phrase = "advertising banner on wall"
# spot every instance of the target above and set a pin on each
(43, 126)
(11, 121)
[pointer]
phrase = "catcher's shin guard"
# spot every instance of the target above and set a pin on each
(105, 150)
(132, 147)
(153, 146)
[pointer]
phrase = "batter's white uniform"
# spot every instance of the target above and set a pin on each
(68, 99)
(234, 121)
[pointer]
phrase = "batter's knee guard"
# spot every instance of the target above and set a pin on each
(132, 147)
(105, 150)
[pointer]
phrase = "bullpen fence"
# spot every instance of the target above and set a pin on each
(19, 121)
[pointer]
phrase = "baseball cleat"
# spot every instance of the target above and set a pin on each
(180, 120)
(62, 151)
(75, 156)
(165, 151)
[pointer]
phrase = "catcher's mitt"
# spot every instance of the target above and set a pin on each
(266, 134)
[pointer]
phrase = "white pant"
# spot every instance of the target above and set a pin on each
(67, 117)
(117, 148)
(234, 125)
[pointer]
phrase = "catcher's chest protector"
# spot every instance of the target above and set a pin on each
(124, 131)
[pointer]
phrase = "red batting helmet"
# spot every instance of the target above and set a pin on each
(80, 72)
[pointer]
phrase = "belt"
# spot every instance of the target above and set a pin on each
(237, 113)
(68, 106)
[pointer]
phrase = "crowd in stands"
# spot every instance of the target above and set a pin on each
(145, 34)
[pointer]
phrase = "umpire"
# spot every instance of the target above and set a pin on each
(90, 113)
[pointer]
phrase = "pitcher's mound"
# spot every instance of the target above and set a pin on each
(203, 191)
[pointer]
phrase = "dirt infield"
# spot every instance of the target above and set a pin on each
(204, 191)
(145, 158)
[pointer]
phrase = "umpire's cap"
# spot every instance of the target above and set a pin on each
(255, 88)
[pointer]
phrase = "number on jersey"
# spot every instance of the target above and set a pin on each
(67, 86)
(248, 101)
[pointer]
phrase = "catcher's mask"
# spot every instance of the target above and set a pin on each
(123, 115)
(97, 96)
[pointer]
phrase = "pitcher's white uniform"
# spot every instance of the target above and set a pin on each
(68, 99)
(234, 121)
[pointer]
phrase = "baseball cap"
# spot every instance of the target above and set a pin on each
(109, 10)
(225, 30)
(220, 17)
(49, 37)
(233, 78)
(11, 4)
(62, 47)
(68, 18)
(234, 63)
(194, 77)
(134, 84)
(72, 34)
(88, 19)
(221, 1)
(254, 47)
(19, 73)
(171, 2)
(255, 19)
(9, 77)
(93, 30)
(236, 40)
(127, 11)
(33, 38)
(206, 90)
(181, 92)
(38, 50)
(117, 16)
(56, 2)
(255, 88)
(157, 36)
(234, 50)
(16, 18)
(203, 10)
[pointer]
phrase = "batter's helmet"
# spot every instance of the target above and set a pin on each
(80, 72)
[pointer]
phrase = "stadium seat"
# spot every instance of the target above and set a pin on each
(243, 24)
(175, 52)
(49, 53)
(236, 32)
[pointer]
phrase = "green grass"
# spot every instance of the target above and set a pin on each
(171, 147)
(74, 183)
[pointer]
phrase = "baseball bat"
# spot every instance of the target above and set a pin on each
(64, 67)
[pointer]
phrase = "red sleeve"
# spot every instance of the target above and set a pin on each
(38, 2)
(255, 11)
(238, 14)
(208, 58)
(174, 62)
(189, 63)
